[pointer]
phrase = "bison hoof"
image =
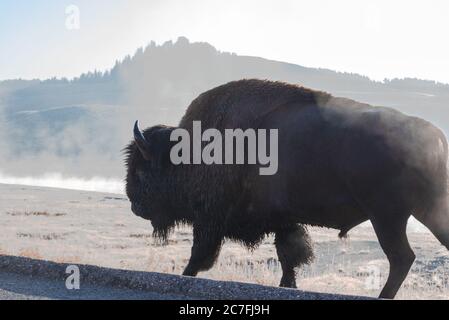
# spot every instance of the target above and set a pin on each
(288, 284)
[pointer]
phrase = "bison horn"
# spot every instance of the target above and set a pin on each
(141, 142)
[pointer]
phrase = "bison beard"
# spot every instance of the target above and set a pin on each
(340, 164)
(162, 229)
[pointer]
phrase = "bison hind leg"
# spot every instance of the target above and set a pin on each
(393, 240)
(294, 248)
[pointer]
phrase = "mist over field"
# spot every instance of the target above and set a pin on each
(70, 133)
(56, 180)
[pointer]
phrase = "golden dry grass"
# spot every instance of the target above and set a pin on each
(69, 260)
(30, 253)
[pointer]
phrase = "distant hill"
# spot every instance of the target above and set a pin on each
(80, 126)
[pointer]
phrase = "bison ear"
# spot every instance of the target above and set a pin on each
(142, 144)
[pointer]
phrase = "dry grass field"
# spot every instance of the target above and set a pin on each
(96, 228)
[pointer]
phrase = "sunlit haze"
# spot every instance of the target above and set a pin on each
(380, 39)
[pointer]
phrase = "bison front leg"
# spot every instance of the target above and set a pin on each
(293, 246)
(205, 250)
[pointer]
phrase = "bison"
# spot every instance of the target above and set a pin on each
(341, 163)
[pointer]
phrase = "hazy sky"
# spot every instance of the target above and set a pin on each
(378, 38)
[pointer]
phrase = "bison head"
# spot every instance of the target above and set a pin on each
(148, 177)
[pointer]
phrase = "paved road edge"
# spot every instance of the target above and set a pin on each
(195, 288)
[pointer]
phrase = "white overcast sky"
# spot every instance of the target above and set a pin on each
(380, 39)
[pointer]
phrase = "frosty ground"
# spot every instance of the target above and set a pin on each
(98, 228)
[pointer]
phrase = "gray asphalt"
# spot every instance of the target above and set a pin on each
(24, 278)
(22, 287)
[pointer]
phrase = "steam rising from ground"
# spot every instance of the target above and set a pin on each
(56, 180)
